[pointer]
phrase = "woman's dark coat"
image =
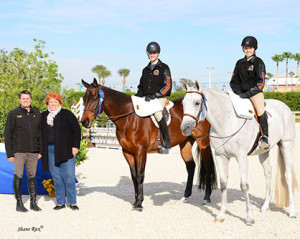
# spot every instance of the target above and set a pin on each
(67, 134)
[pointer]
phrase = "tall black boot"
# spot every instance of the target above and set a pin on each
(263, 121)
(32, 193)
(165, 133)
(18, 193)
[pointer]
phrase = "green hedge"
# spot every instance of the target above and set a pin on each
(291, 99)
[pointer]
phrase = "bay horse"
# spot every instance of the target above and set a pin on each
(234, 137)
(137, 136)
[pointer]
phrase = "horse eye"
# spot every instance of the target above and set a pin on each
(197, 103)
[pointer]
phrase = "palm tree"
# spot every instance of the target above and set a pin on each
(124, 72)
(296, 57)
(287, 56)
(277, 59)
(100, 71)
(106, 74)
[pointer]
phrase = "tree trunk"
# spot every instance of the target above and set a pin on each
(297, 69)
(124, 81)
(277, 69)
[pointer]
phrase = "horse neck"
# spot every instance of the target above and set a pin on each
(220, 113)
(115, 103)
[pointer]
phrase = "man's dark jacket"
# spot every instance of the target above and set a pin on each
(23, 132)
(248, 76)
(156, 82)
(67, 134)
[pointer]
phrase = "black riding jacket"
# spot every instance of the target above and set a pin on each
(23, 132)
(156, 82)
(248, 76)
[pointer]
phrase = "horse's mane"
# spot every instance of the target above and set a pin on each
(116, 93)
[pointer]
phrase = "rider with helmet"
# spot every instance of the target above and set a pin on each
(156, 82)
(248, 80)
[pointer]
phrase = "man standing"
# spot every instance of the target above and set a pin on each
(23, 144)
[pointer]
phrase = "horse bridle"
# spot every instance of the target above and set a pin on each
(202, 105)
(96, 114)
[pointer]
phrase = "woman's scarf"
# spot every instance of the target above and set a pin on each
(51, 115)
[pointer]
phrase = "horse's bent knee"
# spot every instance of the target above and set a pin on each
(245, 187)
(223, 186)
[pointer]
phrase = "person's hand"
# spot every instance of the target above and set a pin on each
(39, 156)
(74, 151)
(11, 159)
(244, 96)
(150, 97)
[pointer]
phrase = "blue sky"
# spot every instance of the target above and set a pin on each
(193, 34)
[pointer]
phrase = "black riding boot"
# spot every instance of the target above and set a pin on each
(18, 193)
(263, 121)
(32, 193)
(165, 133)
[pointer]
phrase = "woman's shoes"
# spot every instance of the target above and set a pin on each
(74, 207)
(58, 207)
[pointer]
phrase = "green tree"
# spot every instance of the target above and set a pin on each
(277, 59)
(101, 72)
(124, 72)
(296, 57)
(268, 76)
(287, 56)
(33, 71)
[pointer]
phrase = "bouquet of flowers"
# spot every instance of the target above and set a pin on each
(48, 185)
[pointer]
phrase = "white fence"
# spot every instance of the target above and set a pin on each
(105, 138)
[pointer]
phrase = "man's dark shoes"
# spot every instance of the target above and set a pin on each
(21, 208)
(58, 207)
(74, 207)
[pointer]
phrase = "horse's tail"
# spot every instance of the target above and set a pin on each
(203, 176)
(281, 188)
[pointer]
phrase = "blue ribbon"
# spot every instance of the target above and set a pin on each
(101, 94)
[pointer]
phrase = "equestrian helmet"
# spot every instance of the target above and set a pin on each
(249, 41)
(153, 47)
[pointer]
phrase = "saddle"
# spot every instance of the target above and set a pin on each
(144, 109)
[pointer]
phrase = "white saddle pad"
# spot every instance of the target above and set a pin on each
(243, 107)
(143, 108)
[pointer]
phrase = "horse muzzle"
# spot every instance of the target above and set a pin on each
(86, 123)
(186, 128)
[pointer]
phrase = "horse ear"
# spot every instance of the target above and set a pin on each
(86, 85)
(197, 86)
(95, 83)
(184, 86)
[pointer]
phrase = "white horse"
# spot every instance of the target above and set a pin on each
(234, 137)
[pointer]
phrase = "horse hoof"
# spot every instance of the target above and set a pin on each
(293, 216)
(206, 201)
(219, 220)
(138, 209)
(250, 222)
(184, 200)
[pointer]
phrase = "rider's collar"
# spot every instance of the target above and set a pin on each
(251, 60)
(159, 63)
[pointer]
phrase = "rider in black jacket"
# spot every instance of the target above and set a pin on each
(156, 82)
(23, 144)
(248, 80)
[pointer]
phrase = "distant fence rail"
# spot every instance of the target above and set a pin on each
(105, 138)
(296, 115)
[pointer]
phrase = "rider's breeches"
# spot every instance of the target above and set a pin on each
(30, 159)
(259, 103)
(158, 115)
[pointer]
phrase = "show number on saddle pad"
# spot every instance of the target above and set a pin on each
(143, 108)
(243, 107)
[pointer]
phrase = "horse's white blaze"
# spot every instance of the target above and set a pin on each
(224, 122)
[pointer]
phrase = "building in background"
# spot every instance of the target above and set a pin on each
(283, 84)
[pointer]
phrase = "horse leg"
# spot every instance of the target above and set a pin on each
(186, 154)
(222, 163)
(131, 162)
(265, 162)
(286, 149)
(208, 167)
(243, 164)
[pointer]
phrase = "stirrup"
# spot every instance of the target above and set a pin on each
(263, 142)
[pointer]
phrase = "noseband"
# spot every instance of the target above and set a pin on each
(203, 107)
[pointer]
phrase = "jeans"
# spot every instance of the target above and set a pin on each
(63, 178)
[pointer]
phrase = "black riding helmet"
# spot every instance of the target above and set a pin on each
(153, 47)
(249, 41)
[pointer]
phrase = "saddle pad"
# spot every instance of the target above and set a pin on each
(143, 108)
(243, 107)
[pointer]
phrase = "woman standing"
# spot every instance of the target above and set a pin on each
(61, 141)
(248, 80)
